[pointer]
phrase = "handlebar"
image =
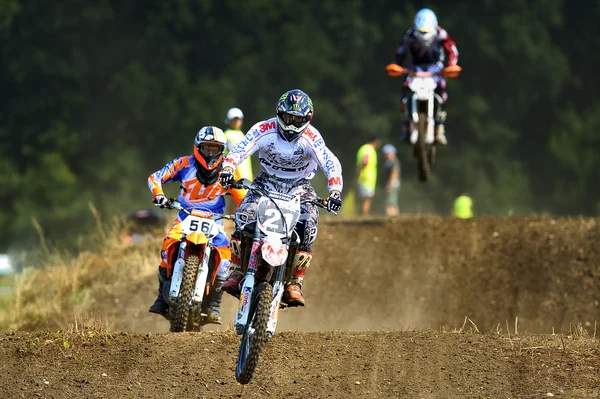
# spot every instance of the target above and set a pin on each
(395, 70)
(174, 204)
(320, 202)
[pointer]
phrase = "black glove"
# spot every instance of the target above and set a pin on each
(226, 177)
(334, 202)
(161, 200)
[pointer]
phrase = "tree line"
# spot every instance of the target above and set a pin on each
(97, 95)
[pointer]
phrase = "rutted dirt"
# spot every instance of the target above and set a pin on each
(365, 365)
(411, 281)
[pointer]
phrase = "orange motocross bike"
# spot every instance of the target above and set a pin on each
(195, 266)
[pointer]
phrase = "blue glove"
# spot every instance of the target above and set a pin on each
(334, 202)
(226, 177)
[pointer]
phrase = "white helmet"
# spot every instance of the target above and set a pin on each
(234, 113)
(426, 24)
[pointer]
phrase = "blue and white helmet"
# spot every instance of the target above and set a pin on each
(426, 24)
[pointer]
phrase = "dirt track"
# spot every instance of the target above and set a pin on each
(300, 365)
(393, 277)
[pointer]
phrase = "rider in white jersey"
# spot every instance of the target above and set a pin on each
(289, 151)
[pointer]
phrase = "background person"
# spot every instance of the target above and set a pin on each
(392, 179)
(235, 119)
(463, 207)
(366, 173)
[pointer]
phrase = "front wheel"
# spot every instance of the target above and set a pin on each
(188, 281)
(255, 334)
(422, 148)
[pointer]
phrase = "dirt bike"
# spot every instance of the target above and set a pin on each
(268, 247)
(194, 268)
(422, 107)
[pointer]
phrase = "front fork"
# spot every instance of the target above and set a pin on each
(429, 137)
(177, 274)
(241, 318)
(202, 275)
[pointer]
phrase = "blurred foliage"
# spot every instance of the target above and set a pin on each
(97, 95)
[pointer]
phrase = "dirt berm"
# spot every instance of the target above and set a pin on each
(427, 272)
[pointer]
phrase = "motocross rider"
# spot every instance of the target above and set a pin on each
(431, 49)
(200, 189)
(289, 150)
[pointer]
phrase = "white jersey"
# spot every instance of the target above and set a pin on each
(284, 160)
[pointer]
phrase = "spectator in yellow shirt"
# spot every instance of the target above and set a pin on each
(235, 118)
(366, 173)
(463, 207)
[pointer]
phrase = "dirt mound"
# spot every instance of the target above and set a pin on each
(427, 272)
(299, 365)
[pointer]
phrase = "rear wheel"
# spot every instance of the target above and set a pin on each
(431, 155)
(255, 334)
(182, 310)
(422, 148)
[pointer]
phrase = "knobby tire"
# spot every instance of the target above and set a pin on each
(188, 282)
(251, 346)
(422, 153)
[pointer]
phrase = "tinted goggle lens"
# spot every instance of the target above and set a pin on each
(211, 150)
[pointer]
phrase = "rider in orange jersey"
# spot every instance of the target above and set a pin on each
(200, 190)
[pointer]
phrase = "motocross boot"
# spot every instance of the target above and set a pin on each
(292, 295)
(232, 284)
(440, 129)
(160, 306)
(212, 303)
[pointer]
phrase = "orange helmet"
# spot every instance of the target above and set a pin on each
(208, 153)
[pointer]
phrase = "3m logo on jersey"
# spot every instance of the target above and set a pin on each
(309, 133)
(266, 126)
(335, 181)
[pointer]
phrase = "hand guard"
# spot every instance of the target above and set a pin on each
(334, 202)
(226, 177)
(161, 200)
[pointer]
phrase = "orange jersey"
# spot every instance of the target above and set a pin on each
(194, 194)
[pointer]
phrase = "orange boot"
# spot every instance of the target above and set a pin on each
(293, 291)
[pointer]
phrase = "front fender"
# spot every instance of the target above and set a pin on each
(196, 238)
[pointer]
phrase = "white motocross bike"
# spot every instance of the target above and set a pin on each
(268, 247)
(194, 268)
(422, 106)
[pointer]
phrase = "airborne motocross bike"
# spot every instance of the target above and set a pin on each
(267, 250)
(194, 270)
(422, 105)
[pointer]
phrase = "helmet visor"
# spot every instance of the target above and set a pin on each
(296, 120)
(211, 149)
